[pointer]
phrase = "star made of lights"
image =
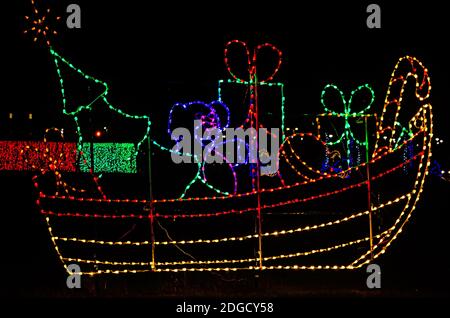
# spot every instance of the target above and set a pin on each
(39, 24)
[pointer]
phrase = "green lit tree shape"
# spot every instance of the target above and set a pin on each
(74, 114)
(89, 106)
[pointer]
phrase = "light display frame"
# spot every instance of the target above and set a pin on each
(391, 140)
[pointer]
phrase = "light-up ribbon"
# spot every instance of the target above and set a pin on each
(252, 78)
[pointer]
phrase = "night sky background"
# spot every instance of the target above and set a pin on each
(152, 57)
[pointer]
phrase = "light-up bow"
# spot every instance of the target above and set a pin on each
(346, 113)
(251, 61)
